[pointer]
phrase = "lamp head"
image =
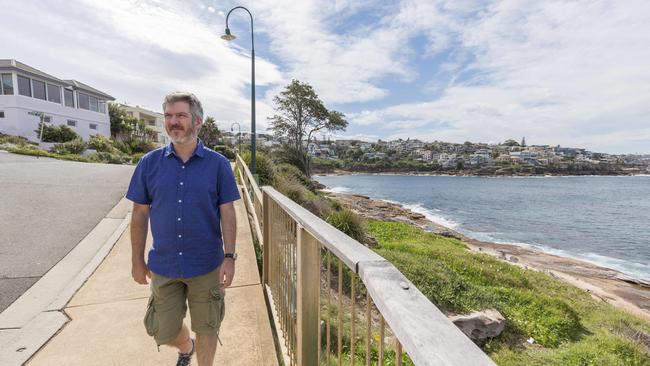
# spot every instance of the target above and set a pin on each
(228, 36)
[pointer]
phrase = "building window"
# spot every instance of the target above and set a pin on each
(39, 89)
(94, 106)
(54, 93)
(47, 119)
(2, 114)
(83, 101)
(102, 106)
(7, 87)
(93, 126)
(130, 114)
(24, 87)
(72, 123)
(68, 96)
(152, 122)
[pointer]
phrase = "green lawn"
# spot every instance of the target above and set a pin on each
(569, 327)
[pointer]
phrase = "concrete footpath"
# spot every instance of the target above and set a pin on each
(106, 316)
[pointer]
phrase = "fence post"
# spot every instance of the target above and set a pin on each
(266, 237)
(308, 296)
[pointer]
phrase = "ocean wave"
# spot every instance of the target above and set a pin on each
(636, 270)
(431, 215)
(338, 189)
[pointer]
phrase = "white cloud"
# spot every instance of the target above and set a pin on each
(572, 73)
(136, 51)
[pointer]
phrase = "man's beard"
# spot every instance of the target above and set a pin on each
(188, 135)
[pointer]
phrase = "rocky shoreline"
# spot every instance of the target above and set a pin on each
(602, 283)
(338, 172)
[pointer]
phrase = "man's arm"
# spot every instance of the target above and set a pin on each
(229, 232)
(139, 228)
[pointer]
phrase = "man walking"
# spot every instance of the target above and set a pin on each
(186, 191)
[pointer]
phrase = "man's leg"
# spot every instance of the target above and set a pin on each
(183, 341)
(206, 302)
(206, 347)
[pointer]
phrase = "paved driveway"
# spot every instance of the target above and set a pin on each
(46, 207)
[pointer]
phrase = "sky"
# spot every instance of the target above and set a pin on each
(573, 73)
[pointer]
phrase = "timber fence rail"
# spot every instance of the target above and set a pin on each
(336, 302)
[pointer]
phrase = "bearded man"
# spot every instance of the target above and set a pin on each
(186, 191)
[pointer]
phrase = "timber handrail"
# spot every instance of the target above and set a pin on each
(252, 197)
(293, 240)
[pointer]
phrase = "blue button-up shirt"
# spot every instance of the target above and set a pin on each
(184, 201)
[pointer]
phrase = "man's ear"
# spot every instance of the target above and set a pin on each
(198, 122)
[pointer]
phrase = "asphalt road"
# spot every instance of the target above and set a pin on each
(46, 207)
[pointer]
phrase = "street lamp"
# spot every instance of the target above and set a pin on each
(229, 37)
(232, 129)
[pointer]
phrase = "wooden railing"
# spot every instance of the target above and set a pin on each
(337, 302)
(252, 198)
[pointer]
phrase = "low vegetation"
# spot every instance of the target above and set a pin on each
(568, 326)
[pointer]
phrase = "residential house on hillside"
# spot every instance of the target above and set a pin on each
(153, 120)
(27, 93)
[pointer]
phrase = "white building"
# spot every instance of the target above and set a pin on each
(153, 120)
(26, 92)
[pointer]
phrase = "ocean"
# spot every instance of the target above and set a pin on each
(602, 220)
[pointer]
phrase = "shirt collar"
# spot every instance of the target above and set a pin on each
(198, 151)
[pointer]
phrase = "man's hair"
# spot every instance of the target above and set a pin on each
(195, 105)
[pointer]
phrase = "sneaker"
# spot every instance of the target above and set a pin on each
(184, 359)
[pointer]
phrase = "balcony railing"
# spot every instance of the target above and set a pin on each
(334, 301)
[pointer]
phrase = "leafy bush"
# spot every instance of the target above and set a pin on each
(135, 158)
(134, 146)
(348, 222)
(225, 151)
(292, 172)
(14, 140)
(100, 143)
(106, 157)
(265, 167)
(76, 146)
(56, 133)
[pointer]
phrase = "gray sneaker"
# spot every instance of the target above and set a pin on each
(184, 359)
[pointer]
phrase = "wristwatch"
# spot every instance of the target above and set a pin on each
(231, 255)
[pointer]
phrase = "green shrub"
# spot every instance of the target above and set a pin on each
(76, 146)
(349, 223)
(14, 140)
(225, 151)
(265, 167)
(133, 146)
(100, 143)
(135, 158)
(56, 133)
(106, 157)
(294, 173)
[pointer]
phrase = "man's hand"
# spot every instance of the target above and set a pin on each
(226, 273)
(140, 272)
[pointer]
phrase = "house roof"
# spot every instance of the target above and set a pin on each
(17, 65)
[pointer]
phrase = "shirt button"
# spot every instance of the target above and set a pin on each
(180, 201)
(183, 166)
(180, 253)
(179, 219)
(180, 236)
(181, 183)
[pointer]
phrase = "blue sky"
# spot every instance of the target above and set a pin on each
(557, 72)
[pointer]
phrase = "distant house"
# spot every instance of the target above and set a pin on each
(153, 120)
(26, 93)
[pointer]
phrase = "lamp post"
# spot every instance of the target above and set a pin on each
(232, 129)
(229, 37)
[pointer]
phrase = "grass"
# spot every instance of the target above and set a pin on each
(569, 327)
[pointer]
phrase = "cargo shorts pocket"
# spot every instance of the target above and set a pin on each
(150, 320)
(217, 308)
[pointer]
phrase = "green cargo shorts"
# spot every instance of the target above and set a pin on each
(168, 304)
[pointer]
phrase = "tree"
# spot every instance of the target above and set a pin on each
(126, 127)
(523, 142)
(300, 116)
(209, 132)
(511, 142)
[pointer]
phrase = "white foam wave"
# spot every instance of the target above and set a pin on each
(338, 189)
(431, 215)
